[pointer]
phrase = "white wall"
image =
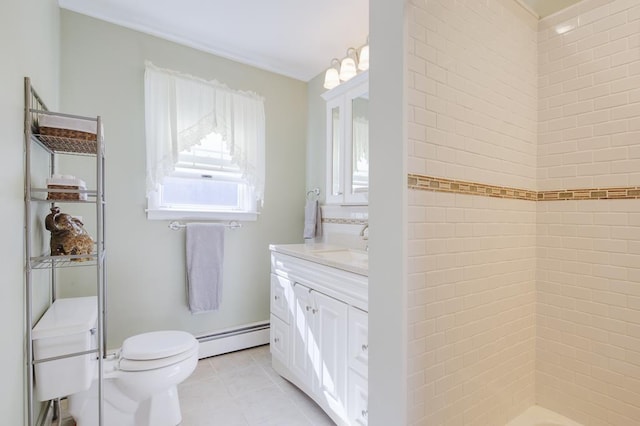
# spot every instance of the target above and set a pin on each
(29, 42)
(102, 73)
(387, 215)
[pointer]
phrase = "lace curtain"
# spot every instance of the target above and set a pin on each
(180, 110)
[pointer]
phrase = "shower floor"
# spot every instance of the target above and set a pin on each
(538, 416)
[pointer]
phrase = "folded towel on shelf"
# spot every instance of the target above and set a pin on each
(312, 219)
(205, 256)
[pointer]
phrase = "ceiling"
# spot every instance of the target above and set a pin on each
(548, 7)
(296, 38)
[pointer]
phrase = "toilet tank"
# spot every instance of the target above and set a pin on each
(68, 326)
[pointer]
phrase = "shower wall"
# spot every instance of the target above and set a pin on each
(471, 267)
(588, 305)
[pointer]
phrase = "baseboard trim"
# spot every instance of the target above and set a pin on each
(234, 339)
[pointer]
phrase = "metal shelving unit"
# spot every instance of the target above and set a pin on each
(56, 146)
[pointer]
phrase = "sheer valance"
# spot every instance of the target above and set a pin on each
(180, 110)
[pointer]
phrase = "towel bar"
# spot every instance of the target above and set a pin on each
(315, 191)
(174, 226)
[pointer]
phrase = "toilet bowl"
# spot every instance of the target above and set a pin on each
(139, 380)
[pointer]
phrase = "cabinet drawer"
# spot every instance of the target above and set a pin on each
(279, 340)
(358, 399)
(281, 295)
(359, 341)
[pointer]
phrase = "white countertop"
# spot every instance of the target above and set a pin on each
(340, 257)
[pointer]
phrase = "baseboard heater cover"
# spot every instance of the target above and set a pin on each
(234, 339)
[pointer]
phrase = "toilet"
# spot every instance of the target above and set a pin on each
(139, 380)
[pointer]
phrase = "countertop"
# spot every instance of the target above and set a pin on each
(340, 257)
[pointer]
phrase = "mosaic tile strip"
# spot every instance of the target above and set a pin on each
(343, 221)
(430, 183)
(626, 193)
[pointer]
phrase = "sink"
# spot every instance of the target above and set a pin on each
(343, 255)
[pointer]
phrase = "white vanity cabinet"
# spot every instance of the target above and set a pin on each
(347, 147)
(319, 334)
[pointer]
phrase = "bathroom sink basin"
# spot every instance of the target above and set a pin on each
(344, 255)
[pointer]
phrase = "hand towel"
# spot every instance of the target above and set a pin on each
(205, 256)
(311, 216)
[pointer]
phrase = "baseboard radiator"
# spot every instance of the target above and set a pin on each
(234, 339)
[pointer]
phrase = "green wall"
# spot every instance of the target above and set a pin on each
(30, 46)
(102, 68)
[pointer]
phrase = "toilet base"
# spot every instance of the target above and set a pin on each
(163, 409)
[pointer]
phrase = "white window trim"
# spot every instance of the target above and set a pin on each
(173, 214)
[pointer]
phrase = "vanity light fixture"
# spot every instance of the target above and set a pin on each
(331, 77)
(357, 60)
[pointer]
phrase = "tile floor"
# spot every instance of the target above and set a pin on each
(241, 389)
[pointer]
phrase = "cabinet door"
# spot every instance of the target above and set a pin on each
(358, 399)
(281, 295)
(330, 335)
(303, 347)
(279, 340)
(359, 341)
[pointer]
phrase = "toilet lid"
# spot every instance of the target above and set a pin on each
(157, 345)
(153, 364)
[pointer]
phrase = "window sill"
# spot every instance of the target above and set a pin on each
(164, 214)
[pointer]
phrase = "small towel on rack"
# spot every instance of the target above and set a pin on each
(312, 219)
(205, 256)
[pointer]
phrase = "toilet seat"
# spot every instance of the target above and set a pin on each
(157, 349)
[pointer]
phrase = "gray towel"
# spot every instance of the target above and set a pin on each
(312, 219)
(205, 255)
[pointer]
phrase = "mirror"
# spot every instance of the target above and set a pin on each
(336, 138)
(360, 143)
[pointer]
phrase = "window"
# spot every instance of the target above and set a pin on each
(205, 149)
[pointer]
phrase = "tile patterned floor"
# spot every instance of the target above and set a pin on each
(241, 389)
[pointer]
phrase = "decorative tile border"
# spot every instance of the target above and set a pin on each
(626, 193)
(343, 221)
(431, 183)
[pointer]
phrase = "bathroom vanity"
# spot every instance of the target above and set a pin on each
(319, 326)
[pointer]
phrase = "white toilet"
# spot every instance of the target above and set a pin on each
(140, 379)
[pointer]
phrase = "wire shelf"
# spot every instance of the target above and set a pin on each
(56, 144)
(64, 261)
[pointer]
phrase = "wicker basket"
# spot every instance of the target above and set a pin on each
(68, 133)
(64, 195)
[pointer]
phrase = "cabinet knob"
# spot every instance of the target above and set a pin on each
(313, 311)
(365, 348)
(276, 297)
(276, 340)
(308, 308)
(365, 413)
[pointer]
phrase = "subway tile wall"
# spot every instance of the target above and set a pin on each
(588, 288)
(472, 116)
(497, 98)
(589, 96)
(471, 311)
(588, 310)
(472, 91)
